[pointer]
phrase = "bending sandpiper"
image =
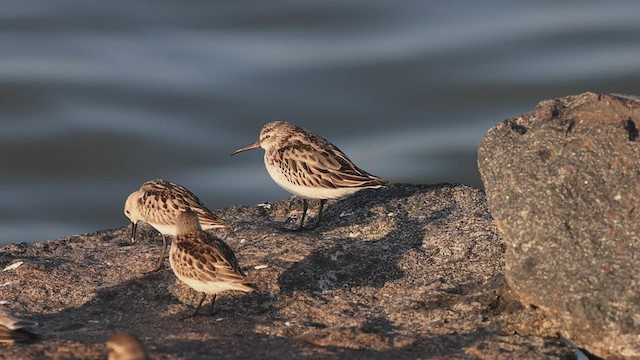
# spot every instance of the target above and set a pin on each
(204, 262)
(159, 202)
(309, 166)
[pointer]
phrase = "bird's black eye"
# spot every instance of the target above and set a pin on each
(267, 136)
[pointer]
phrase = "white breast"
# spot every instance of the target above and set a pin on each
(170, 230)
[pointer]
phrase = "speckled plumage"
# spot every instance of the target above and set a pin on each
(15, 330)
(159, 203)
(125, 346)
(309, 166)
(204, 262)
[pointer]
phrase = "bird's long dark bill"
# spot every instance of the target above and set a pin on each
(134, 225)
(248, 147)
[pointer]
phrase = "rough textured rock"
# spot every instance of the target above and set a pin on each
(403, 272)
(563, 184)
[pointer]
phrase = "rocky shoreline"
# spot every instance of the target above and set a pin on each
(408, 271)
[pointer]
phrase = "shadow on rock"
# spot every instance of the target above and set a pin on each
(356, 261)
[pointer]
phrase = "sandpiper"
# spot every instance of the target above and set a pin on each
(309, 166)
(204, 262)
(126, 346)
(159, 203)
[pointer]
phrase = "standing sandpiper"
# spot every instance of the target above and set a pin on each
(159, 202)
(309, 166)
(204, 262)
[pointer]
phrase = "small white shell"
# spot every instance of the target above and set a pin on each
(15, 265)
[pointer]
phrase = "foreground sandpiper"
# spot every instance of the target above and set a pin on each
(159, 203)
(309, 166)
(126, 346)
(204, 262)
(14, 330)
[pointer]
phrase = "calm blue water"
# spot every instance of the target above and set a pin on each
(98, 97)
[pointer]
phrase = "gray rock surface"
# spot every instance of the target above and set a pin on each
(563, 184)
(404, 272)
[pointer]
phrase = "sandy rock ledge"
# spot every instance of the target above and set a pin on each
(410, 271)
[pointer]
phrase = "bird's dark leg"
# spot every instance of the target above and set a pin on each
(164, 251)
(300, 227)
(305, 205)
(195, 313)
(204, 296)
(212, 302)
(317, 222)
(134, 225)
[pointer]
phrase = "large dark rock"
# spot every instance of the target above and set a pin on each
(563, 184)
(403, 272)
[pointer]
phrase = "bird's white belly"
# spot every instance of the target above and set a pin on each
(207, 287)
(170, 230)
(164, 229)
(308, 192)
